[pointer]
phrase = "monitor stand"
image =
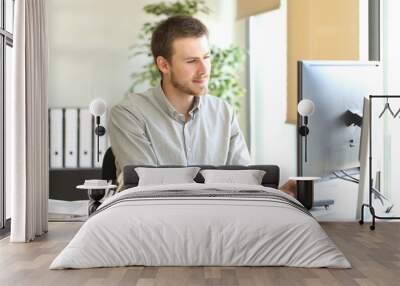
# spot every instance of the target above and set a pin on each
(363, 186)
(323, 203)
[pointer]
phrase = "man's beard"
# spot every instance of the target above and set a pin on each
(186, 89)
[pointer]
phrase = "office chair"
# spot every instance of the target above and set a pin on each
(108, 168)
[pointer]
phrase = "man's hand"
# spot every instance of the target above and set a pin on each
(289, 188)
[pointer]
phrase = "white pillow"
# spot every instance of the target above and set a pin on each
(248, 177)
(165, 176)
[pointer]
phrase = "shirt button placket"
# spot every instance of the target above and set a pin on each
(188, 143)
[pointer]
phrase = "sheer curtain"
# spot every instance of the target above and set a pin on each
(27, 122)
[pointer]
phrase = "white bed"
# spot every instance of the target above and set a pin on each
(201, 224)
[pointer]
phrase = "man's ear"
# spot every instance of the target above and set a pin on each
(162, 64)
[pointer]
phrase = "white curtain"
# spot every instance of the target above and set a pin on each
(27, 123)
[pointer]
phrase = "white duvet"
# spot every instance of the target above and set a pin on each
(182, 231)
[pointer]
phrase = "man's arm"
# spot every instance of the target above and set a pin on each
(238, 153)
(289, 188)
(128, 138)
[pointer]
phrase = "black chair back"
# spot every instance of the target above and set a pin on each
(108, 168)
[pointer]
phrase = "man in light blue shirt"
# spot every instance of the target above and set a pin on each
(177, 122)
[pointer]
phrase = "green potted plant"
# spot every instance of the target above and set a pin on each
(225, 62)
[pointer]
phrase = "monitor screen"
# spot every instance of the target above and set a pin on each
(337, 89)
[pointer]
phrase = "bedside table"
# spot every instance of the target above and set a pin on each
(95, 193)
(305, 190)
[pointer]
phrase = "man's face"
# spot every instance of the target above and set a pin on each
(189, 67)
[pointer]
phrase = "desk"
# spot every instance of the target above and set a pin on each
(95, 193)
(305, 190)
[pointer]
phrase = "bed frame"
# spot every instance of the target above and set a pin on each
(270, 179)
(131, 179)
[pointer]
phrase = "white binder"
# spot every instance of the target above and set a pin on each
(71, 138)
(56, 138)
(103, 141)
(85, 138)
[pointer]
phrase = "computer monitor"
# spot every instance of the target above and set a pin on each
(338, 89)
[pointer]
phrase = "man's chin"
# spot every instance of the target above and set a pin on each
(200, 91)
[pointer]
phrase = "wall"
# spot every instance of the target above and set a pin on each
(319, 30)
(89, 48)
(274, 140)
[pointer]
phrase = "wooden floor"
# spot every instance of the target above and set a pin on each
(374, 255)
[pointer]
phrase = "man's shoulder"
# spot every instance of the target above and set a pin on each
(136, 101)
(216, 104)
(136, 104)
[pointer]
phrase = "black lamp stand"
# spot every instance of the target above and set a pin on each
(303, 131)
(99, 131)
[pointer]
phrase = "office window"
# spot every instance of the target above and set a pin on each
(6, 44)
(9, 11)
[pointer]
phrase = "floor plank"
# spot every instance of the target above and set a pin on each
(374, 255)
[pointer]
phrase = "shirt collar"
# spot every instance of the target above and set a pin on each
(197, 103)
(169, 108)
(164, 102)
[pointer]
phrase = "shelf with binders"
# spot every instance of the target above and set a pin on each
(72, 142)
(72, 151)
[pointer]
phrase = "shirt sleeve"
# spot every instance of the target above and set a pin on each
(238, 153)
(129, 142)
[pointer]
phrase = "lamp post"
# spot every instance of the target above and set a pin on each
(97, 108)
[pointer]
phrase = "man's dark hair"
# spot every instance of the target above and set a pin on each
(173, 28)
